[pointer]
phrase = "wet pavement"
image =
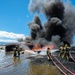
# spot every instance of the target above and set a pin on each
(25, 65)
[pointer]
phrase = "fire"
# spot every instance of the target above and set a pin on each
(37, 47)
(51, 46)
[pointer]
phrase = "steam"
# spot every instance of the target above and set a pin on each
(60, 24)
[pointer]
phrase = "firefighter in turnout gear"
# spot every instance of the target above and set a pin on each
(61, 49)
(66, 50)
(15, 51)
(19, 50)
(48, 54)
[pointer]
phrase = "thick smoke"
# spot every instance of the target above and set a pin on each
(55, 9)
(54, 27)
(37, 21)
(69, 21)
(51, 8)
(60, 24)
(36, 28)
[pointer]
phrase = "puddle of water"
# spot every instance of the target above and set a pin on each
(24, 65)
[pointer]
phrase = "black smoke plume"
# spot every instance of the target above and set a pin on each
(56, 9)
(37, 21)
(36, 27)
(54, 27)
(60, 24)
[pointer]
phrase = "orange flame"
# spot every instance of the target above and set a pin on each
(37, 47)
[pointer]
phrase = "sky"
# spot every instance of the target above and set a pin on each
(14, 18)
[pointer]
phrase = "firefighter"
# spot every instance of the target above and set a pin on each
(15, 51)
(19, 50)
(66, 48)
(61, 49)
(48, 54)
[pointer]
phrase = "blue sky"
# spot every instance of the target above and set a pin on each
(14, 16)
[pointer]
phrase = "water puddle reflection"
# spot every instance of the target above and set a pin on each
(25, 66)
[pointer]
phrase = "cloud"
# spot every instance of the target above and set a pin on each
(12, 37)
(4, 40)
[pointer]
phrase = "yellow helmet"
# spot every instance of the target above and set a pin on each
(66, 45)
